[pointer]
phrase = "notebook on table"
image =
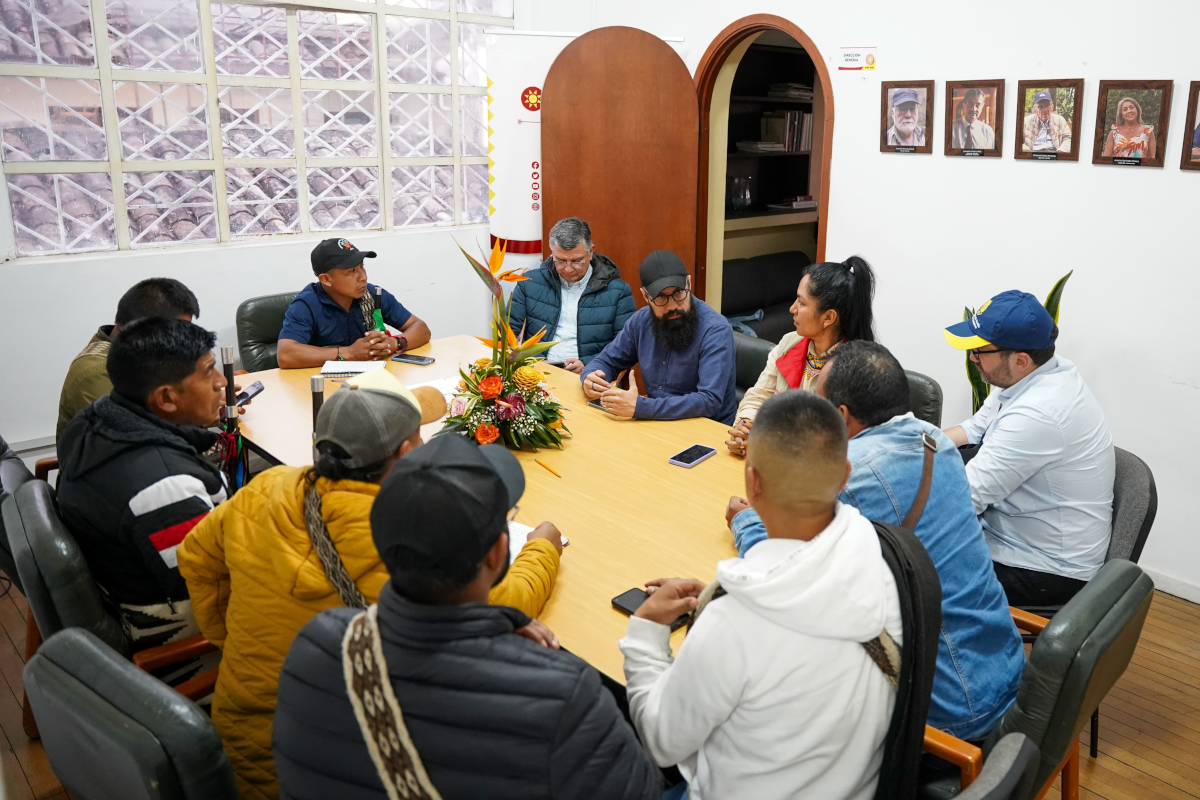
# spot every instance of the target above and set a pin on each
(348, 369)
(518, 536)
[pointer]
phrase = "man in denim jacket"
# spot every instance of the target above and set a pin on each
(980, 657)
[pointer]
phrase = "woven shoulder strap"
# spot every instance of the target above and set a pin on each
(331, 562)
(378, 713)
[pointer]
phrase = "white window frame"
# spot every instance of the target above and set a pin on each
(106, 75)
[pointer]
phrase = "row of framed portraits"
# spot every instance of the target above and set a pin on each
(1132, 118)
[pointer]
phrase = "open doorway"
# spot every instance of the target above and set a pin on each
(766, 115)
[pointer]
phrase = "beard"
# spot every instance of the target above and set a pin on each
(504, 572)
(906, 125)
(676, 334)
(1001, 377)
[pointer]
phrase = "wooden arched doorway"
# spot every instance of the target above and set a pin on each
(619, 137)
(732, 41)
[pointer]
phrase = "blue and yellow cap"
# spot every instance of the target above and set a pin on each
(1012, 320)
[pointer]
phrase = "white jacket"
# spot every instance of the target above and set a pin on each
(773, 695)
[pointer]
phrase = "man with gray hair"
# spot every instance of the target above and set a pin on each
(577, 295)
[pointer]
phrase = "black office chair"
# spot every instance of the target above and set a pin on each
(1076, 659)
(749, 358)
(259, 321)
(1009, 772)
(13, 475)
(111, 730)
(925, 397)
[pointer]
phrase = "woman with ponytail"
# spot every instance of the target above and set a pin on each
(833, 305)
(296, 541)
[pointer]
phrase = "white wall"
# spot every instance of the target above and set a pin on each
(947, 232)
(51, 306)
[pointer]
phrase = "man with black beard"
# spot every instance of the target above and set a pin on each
(684, 347)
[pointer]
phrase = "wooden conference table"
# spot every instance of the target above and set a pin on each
(630, 516)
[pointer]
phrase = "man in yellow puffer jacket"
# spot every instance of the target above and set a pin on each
(256, 572)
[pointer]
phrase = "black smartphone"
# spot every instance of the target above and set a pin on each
(408, 358)
(692, 456)
(596, 404)
(253, 391)
(632, 600)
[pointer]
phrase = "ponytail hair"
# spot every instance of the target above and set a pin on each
(848, 288)
(332, 464)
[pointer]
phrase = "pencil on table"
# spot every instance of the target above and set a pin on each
(547, 466)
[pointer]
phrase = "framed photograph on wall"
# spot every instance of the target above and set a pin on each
(906, 117)
(1048, 118)
(1131, 123)
(974, 118)
(1191, 131)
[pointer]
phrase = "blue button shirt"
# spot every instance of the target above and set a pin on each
(980, 656)
(315, 318)
(681, 384)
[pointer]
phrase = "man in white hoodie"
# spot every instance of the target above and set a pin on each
(773, 694)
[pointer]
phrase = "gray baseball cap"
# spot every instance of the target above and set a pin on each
(662, 269)
(373, 413)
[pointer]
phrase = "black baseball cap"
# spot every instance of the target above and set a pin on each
(661, 269)
(447, 501)
(337, 254)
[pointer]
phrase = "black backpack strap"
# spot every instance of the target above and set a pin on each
(920, 595)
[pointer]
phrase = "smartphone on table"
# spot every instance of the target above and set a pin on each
(692, 456)
(250, 393)
(632, 600)
(596, 404)
(409, 358)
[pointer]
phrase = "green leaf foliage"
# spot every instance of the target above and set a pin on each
(1055, 296)
(979, 387)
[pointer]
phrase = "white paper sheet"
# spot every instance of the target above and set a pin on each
(518, 535)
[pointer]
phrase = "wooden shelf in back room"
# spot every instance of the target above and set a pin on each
(758, 218)
(791, 101)
(747, 154)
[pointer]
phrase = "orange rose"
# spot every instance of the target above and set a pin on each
(487, 433)
(491, 386)
(556, 425)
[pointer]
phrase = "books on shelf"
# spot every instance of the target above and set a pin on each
(792, 130)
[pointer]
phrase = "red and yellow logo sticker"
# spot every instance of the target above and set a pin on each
(531, 98)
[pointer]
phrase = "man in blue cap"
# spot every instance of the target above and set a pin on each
(1042, 480)
(1045, 131)
(905, 132)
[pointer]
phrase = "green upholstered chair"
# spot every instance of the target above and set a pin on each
(259, 321)
(112, 730)
(1009, 772)
(1076, 659)
(925, 397)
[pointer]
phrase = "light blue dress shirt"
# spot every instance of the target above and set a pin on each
(1042, 481)
(567, 333)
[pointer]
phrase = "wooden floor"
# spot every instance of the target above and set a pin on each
(1149, 723)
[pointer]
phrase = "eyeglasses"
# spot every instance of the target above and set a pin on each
(512, 514)
(575, 262)
(978, 353)
(661, 300)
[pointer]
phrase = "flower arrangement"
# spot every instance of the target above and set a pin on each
(505, 398)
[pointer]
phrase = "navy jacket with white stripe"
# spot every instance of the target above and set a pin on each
(131, 486)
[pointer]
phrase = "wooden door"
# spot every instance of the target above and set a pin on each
(620, 132)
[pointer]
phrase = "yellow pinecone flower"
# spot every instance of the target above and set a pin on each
(481, 363)
(527, 378)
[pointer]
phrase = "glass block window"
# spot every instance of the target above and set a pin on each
(473, 127)
(471, 55)
(491, 8)
(162, 121)
(418, 50)
(434, 5)
(335, 46)
(339, 123)
(62, 213)
(154, 34)
(282, 123)
(45, 32)
(422, 196)
(256, 123)
(421, 124)
(343, 199)
(250, 40)
(167, 208)
(475, 193)
(51, 119)
(262, 200)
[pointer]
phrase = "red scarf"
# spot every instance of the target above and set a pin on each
(791, 363)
